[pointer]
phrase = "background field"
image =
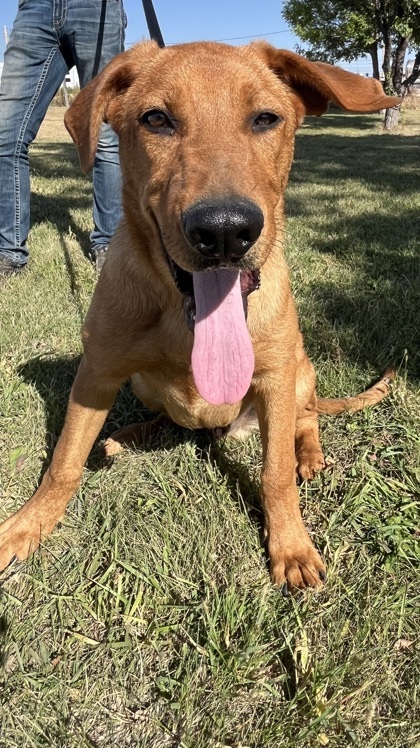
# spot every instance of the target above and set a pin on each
(148, 619)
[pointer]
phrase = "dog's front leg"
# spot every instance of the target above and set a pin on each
(293, 558)
(89, 403)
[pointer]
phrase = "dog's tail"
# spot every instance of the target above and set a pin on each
(364, 400)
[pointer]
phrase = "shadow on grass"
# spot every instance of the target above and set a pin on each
(53, 379)
(59, 162)
(4, 628)
(374, 309)
(383, 162)
(338, 118)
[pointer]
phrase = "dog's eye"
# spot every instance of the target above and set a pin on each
(265, 121)
(159, 122)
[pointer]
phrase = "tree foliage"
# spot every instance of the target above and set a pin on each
(347, 29)
(334, 29)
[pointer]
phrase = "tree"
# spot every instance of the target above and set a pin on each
(348, 29)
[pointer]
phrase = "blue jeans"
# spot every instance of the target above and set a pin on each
(47, 39)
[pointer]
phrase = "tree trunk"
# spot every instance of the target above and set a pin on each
(415, 73)
(399, 58)
(373, 51)
(392, 118)
(387, 65)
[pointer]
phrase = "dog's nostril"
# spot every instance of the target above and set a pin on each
(244, 239)
(202, 239)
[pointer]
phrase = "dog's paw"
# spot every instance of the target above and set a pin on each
(18, 539)
(309, 464)
(245, 425)
(295, 567)
(112, 447)
(135, 434)
(21, 534)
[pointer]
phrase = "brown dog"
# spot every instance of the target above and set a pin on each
(194, 303)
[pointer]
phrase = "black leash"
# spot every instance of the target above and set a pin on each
(152, 22)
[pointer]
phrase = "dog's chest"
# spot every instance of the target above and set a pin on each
(178, 398)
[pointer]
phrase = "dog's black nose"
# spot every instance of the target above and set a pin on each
(223, 229)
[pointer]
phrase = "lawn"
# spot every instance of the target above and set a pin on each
(148, 619)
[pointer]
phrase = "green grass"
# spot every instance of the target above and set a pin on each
(148, 618)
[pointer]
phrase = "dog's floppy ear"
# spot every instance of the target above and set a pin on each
(317, 83)
(89, 110)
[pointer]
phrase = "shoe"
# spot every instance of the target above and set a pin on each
(98, 256)
(8, 267)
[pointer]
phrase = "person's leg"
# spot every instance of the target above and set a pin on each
(97, 29)
(107, 199)
(33, 70)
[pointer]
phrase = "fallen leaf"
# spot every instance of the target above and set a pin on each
(403, 644)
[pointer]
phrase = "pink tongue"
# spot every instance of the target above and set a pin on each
(222, 357)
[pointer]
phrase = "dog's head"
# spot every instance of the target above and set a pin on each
(206, 139)
(206, 136)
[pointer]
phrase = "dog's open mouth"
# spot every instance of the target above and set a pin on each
(249, 282)
(215, 304)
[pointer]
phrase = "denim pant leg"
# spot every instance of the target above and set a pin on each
(107, 200)
(94, 43)
(33, 70)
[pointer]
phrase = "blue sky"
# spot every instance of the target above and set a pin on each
(193, 20)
